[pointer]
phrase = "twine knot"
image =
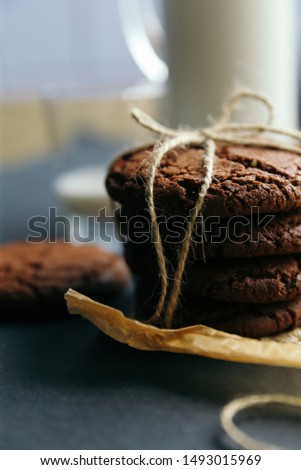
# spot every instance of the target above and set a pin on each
(223, 131)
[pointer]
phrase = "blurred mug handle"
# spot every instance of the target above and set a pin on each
(139, 43)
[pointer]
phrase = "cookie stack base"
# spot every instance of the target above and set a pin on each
(254, 320)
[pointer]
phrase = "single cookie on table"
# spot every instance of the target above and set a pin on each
(243, 177)
(256, 280)
(236, 237)
(252, 320)
(35, 276)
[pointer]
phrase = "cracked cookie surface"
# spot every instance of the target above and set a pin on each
(246, 280)
(236, 237)
(243, 177)
(259, 280)
(253, 320)
(39, 274)
(250, 320)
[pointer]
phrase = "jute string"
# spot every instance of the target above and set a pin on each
(223, 131)
(232, 408)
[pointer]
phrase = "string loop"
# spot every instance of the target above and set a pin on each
(231, 409)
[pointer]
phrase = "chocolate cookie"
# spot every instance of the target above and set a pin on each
(35, 276)
(243, 237)
(246, 320)
(236, 237)
(260, 280)
(244, 177)
(253, 320)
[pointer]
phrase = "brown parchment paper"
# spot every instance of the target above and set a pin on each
(281, 350)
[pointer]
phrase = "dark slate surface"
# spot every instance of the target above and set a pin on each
(65, 385)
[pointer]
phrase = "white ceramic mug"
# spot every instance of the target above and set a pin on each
(216, 46)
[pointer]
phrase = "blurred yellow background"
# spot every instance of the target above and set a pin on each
(27, 133)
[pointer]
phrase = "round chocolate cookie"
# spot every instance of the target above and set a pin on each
(243, 177)
(35, 276)
(244, 319)
(258, 280)
(236, 237)
(244, 237)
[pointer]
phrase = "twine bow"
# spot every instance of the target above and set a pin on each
(223, 131)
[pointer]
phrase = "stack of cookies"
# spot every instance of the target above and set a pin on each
(243, 273)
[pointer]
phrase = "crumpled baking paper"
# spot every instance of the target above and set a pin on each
(281, 350)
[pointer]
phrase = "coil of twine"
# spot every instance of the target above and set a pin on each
(231, 409)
